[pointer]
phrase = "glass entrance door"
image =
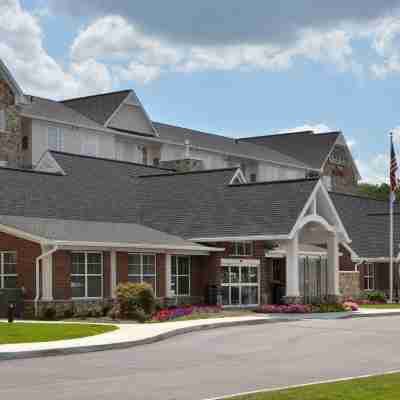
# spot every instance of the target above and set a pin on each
(240, 286)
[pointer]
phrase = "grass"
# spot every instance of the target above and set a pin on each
(380, 306)
(37, 332)
(385, 387)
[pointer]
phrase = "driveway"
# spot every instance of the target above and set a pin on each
(212, 363)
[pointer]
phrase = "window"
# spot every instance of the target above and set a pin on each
(277, 270)
(240, 285)
(156, 162)
(55, 139)
(87, 275)
(2, 120)
(242, 249)
(338, 156)
(8, 270)
(369, 277)
(253, 177)
(180, 275)
(144, 155)
(25, 143)
(142, 268)
(89, 147)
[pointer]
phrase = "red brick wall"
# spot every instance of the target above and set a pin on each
(27, 252)
(62, 275)
(122, 267)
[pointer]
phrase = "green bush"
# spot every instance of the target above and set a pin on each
(376, 296)
(326, 308)
(135, 301)
(49, 313)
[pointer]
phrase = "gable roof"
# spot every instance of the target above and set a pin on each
(307, 147)
(367, 221)
(98, 107)
(202, 205)
(7, 76)
(223, 144)
(75, 232)
(47, 109)
(183, 204)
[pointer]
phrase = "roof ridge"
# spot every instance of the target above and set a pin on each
(110, 160)
(289, 133)
(275, 182)
(359, 196)
(96, 95)
(203, 171)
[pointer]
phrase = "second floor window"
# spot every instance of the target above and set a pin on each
(242, 249)
(55, 139)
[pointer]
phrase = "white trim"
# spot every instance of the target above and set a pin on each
(23, 235)
(48, 154)
(18, 93)
(177, 256)
(2, 273)
(302, 217)
(238, 262)
(114, 273)
(353, 254)
(239, 238)
(86, 275)
(115, 112)
(239, 176)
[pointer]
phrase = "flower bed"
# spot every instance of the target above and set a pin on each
(306, 308)
(170, 314)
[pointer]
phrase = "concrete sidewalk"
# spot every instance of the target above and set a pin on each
(129, 335)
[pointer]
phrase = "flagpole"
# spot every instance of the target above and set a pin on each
(391, 200)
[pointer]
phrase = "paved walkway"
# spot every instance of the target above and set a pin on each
(129, 335)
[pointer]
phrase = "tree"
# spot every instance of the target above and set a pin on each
(375, 191)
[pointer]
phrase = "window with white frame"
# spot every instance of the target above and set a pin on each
(242, 249)
(90, 145)
(55, 138)
(142, 268)
(87, 275)
(3, 122)
(240, 285)
(369, 277)
(8, 270)
(180, 275)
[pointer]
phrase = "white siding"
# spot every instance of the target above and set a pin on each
(271, 172)
(73, 139)
(132, 118)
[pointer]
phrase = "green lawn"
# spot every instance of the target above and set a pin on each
(34, 332)
(380, 306)
(386, 387)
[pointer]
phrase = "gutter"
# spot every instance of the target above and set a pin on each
(38, 259)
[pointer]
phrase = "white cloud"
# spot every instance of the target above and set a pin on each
(316, 128)
(22, 49)
(374, 170)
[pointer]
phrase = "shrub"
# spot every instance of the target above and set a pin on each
(350, 306)
(135, 300)
(50, 313)
(68, 313)
(376, 297)
(169, 314)
(285, 308)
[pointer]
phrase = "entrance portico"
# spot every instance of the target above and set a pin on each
(319, 226)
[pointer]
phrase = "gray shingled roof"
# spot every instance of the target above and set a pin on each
(186, 205)
(224, 144)
(306, 147)
(54, 110)
(202, 205)
(99, 107)
(367, 222)
(60, 230)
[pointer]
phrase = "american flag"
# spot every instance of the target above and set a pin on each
(393, 171)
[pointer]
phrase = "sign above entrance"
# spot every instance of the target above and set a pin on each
(246, 262)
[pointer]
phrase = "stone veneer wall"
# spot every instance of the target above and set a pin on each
(11, 138)
(349, 283)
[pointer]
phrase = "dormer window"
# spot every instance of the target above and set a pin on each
(338, 156)
(242, 249)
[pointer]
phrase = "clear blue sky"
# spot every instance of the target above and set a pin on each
(222, 67)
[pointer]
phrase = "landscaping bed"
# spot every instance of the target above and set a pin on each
(44, 332)
(306, 308)
(385, 387)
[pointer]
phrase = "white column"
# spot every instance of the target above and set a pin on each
(333, 264)
(113, 272)
(292, 268)
(47, 278)
(168, 275)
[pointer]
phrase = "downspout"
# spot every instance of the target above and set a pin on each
(41, 257)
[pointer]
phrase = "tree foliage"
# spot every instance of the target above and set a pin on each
(375, 191)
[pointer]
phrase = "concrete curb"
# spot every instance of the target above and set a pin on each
(163, 336)
(124, 345)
